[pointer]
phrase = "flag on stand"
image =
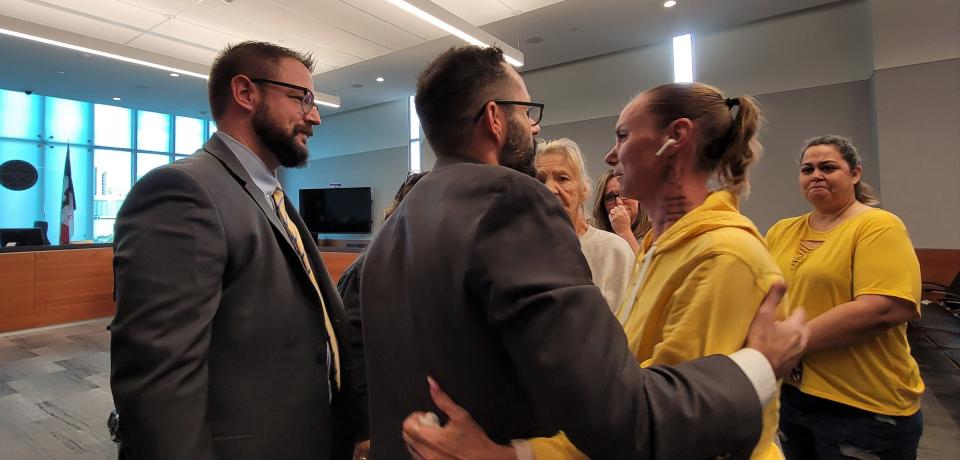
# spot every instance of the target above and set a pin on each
(68, 204)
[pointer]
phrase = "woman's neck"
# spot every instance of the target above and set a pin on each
(579, 222)
(826, 218)
(677, 197)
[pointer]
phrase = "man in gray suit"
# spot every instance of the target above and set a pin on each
(229, 340)
(478, 281)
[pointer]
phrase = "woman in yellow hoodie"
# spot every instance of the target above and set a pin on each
(674, 143)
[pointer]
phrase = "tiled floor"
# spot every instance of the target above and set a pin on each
(55, 395)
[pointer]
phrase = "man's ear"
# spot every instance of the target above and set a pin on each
(244, 92)
(491, 123)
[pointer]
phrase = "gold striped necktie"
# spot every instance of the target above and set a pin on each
(298, 244)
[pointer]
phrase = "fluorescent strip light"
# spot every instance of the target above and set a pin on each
(511, 55)
(319, 98)
(105, 54)
(683, 59)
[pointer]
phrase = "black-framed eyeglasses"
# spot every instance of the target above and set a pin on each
(610, 197)
(534, 110)
(306, 101)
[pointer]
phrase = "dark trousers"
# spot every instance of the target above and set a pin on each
(813, 428)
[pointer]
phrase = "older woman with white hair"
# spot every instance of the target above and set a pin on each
(560, 167)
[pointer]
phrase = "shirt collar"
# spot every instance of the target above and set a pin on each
(265, 179)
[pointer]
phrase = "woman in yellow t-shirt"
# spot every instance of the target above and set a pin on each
(854, 270)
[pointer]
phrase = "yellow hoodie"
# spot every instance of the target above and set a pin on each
(694, 293)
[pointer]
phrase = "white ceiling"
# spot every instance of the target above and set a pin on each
(338, 32)
(354, 41)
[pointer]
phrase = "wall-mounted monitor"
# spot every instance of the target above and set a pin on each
(337, 210)
(21, 237)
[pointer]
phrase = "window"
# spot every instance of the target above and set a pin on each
(414, 137)
(148, 161)
(211, 128)
(20, 207)
(111, 181)
(153, 131)
(67, 121)
(188, 134)
(19, 115)
(110, 148)
(111, 126)
(683, 58)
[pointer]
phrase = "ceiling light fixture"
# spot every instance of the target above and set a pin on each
(116, 98)
(453, 24)
(90, 51)
(669, 4)
(380, 79)
(325, 99)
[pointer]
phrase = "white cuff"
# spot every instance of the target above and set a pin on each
(758, 371)
(522, 448)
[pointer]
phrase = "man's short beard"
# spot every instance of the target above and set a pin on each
(289, 153)
(518, 153)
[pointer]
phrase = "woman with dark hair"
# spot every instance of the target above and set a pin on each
(854, 269)
(617, 214)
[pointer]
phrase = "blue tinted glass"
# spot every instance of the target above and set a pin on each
(19, 115)
(19, 208)
(189, 135)
(111, 180)
(111, 126)
(153, 131)
(67, 121)
(148, 161)
(55, 160)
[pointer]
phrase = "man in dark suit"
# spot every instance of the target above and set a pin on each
(229, 340)
(478, 281)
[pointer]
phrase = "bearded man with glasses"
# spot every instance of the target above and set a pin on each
(230, 340)
(478, 281)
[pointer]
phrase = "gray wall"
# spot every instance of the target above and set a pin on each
(918, 121)
(382, 170)
(792, 116)
(860, 68)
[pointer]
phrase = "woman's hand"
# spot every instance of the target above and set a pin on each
(460, 438)
(620, 220)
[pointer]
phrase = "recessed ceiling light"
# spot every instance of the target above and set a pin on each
(356, 85)
(534, 40)
(669, 4)
(174, 74)
(116, 98)
(60, 73)
(380, 79)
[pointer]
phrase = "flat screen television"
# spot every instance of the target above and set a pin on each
(21, 237)
(337, 210)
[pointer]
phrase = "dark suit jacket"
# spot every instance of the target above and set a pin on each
(218, 346)
(479, 281)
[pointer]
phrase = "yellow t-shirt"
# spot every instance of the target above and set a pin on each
(706, 277)
(869, 253)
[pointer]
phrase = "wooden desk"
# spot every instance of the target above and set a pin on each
(42, 288)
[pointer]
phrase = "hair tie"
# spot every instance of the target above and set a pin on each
(731, 102)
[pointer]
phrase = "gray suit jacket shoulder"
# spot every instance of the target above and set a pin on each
(479, 281)
(218, 346)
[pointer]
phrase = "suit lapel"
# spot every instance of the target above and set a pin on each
(218, 149)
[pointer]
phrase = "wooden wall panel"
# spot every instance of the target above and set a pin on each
(74, 285)
(16, 291)
(939, 265)
(337, 262)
